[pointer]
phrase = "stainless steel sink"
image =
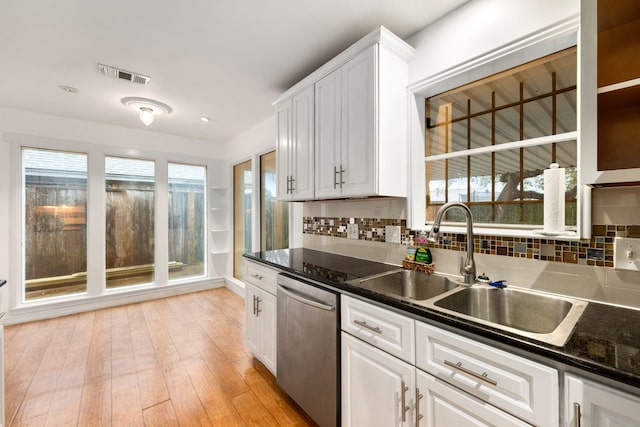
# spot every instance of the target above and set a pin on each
(544, 317)
(407, 284)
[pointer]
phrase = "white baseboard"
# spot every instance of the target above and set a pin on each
(235, 285)
(51, 309)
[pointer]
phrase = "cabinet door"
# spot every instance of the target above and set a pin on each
(251, 325)
(283, 147)
(597, 405)
(358, 149)
(301, 168)
(444, 405)
(266, 325)
(327, 142)
(372, 384)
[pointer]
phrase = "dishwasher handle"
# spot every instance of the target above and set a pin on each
(300, 298)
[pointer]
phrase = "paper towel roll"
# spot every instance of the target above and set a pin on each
(554, 199)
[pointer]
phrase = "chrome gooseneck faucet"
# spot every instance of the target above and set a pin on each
(468, 270)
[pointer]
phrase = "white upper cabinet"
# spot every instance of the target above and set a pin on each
(347, 151)
(610, 99)
(327, 133)
(295, 147)
(358, 123)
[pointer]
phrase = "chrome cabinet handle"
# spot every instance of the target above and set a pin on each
(258, 301)
(254, 305)
(403, 401)
(419, 416)
(341, 172)
(257, 276)
(577, 414)
(365, 325)
(290, 184)
(335, 174)
(483, 376)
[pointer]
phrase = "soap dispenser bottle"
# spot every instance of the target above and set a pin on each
(411, 250)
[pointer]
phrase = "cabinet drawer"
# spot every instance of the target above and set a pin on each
(382, 328)
(263, 277)
(519, 386)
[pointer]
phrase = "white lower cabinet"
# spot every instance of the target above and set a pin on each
(439, 405)
(454, 381)
(590, 404)
(260, 326)
(377, 388)
(519, 386)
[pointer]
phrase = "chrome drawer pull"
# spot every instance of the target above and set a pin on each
(257, 276)
(483, 376)
(576, 414)
(403, 401)
(254, 305)
(258, 301)
(419, 416)
(364, 324)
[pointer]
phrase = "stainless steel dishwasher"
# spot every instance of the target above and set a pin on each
(308, 348)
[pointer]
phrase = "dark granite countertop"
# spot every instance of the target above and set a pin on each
(605, 341)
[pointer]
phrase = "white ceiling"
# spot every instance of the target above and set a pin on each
(226, 59)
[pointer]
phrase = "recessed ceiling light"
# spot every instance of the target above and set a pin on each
(146, 108)
(205, 119)
(68, 89)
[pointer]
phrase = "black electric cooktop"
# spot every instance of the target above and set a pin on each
(321, 266)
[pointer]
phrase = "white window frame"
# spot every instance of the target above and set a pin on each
(97, 295)
(561, 36)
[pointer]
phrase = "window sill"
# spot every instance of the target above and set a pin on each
(528, 233)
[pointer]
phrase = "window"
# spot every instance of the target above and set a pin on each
(274, 215)
(130, 215)
(242, 193)
(55, 220)
(186, 220)
(488, 142)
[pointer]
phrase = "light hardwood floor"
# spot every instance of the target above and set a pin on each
(175, 361)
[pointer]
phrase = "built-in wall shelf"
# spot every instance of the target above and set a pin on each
(619, 86)
(219, 252)
(219, 233)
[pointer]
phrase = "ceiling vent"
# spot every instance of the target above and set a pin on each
(116, 73)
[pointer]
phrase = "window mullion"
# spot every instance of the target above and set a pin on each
(96, 224)
(521, 204)
(161, 229)
(542, 140)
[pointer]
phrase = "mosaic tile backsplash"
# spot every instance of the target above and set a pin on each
(596, 251)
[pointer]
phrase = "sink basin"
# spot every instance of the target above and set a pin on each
(407, 284)
(543, 317)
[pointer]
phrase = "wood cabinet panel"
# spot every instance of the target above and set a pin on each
(619, 128)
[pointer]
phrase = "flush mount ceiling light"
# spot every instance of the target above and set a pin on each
(146, 108)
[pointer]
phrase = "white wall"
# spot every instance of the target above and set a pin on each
(481, 26)
(260, 138)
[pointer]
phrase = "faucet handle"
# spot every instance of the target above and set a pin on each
(483, 278)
